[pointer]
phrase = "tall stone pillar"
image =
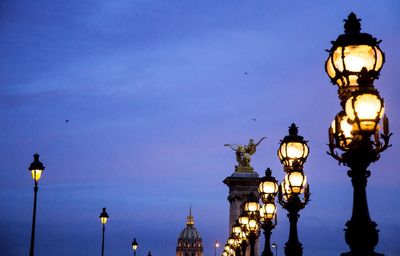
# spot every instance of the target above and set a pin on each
(242, 182)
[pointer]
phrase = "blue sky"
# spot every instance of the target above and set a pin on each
(152, 90)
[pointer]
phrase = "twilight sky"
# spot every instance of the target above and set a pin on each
(152, 90)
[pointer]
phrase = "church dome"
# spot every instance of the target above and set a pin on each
(189, 240)
(189, 234)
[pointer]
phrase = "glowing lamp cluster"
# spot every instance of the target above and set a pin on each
(293, 148)
(362, 106)
(351, 52)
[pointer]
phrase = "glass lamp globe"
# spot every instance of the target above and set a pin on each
(295, 182)
(352, 52)
(230, 241)
(365, 110)
(293, 148)
(268, 187)
(134, 244)
(236, 229)
(253, 225)
(104, 216)
(270, 211)
(342, 130)
(36, 168)
(251, 206)
(243, 235)
(227, 247)
(243, 220)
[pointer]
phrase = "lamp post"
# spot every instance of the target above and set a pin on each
(103, 218)
(274, 245)
(268, 188)
(294, 190)
(354, 62)
(134, 246)
(252, 207)
(36, 168)
(216, 245)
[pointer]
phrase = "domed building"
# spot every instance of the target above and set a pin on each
(189, 241)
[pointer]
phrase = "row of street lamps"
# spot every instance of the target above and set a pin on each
(355, 61)
(36, 168)
(293, 194)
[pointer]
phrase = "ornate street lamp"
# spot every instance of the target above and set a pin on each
(36, 168)
(294, 191)
(292, 148)
(103, 218)
(252, 207)
(268, 188)
(353, 127)
(134, 246)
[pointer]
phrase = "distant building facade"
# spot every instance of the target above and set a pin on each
(189, 240)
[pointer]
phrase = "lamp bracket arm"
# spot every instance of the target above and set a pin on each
(386, 143)
(335, 155)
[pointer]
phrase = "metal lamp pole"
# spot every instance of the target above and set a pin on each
(36, 168)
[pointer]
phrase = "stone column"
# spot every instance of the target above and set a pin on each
(242, 182)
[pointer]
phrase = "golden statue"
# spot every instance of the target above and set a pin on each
(244, 153)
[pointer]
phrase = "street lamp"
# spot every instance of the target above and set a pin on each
(134, 246)
(293, 192)
(216, 245)
(353, 128)
(268, 188)
(36, 168)
(103, 218)
(274, 245)
(252, 207)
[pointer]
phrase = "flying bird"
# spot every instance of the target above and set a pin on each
(253, 119)
(246, 73)
(67, 121)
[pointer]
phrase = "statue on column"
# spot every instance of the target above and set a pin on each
(244, 153)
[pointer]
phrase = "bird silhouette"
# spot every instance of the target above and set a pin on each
(67, 121)
(246, 73)
(253, 119)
